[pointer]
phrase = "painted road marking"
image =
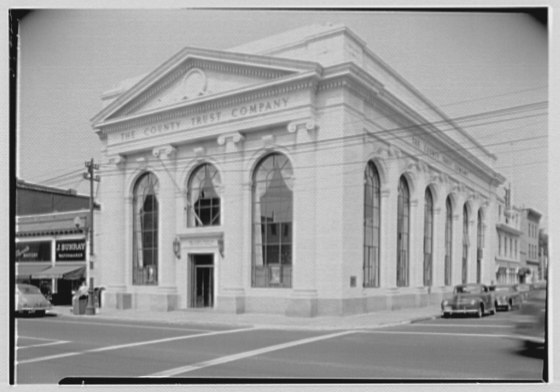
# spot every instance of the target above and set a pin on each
(34, 338)
(129, 326)
(243, 355)
(53, 343)
(465, 325)
(480, 335)
(128, 345)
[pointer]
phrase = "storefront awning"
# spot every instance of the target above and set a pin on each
(68, 272)
(23, 270)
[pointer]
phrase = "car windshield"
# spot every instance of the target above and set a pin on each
(27, 289)
(468, 290)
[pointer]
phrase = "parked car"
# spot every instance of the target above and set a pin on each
(506, 297)
(473, 298)
(30, 300)
(530, 323)
(523, 289)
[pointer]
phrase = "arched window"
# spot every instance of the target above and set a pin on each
(272, 201)
(403, 219)
(428, 236)
(372, 211)
(448, 240)
(479, 246)
(145, 230)
(203, 199)
(465, 269)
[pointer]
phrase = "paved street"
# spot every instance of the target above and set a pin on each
(52, 348)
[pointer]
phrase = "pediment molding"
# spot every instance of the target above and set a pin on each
(201, 66)
(262, 69)
(208, 104)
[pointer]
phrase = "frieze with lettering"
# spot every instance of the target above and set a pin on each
(202, 119)
(433, 153)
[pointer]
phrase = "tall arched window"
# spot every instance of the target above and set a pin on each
(479, 246)
(403, 219)
(465, 269)
(145, 231)
(372, 199)
(272, 201)
(203, 199)
(448, 240)
(428, 236)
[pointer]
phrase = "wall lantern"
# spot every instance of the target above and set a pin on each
(221, 246)
(177, 248)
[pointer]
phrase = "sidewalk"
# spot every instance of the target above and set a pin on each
(260, 320)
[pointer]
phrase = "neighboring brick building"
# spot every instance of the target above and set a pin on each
(50, 249)
(530, 259)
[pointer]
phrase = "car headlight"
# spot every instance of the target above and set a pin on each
(473, 302)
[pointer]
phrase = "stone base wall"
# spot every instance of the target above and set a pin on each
(163, 302)
(295, 306)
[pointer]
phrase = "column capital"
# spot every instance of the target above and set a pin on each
(232, 137)
(117, 160)
(167, 151)
(308, 124)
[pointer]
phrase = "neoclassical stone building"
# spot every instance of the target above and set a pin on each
(298, 175)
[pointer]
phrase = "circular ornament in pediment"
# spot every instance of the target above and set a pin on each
(194, 84)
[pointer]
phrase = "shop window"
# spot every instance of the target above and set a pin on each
(403, 226)
(464, 273)
(448, 240)
(145, 231)
(428, 236)
(372, 198)
(203, 199)
(272, 206)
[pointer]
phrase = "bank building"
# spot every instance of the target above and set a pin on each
(297, 175)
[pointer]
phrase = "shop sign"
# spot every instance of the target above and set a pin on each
(33, 251)
(71, 250)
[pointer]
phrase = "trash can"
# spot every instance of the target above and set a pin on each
(79, 305)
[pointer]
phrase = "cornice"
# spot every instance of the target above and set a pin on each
(192, 53)
(193, 63)
(373, 92)
(213, 102)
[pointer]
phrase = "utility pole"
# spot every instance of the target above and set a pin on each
(91, 166)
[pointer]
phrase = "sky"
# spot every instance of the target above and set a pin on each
(469, 64)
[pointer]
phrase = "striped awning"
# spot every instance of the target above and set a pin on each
(68, 272)
(27, 270)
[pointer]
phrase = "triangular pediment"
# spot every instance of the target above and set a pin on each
(194, 75)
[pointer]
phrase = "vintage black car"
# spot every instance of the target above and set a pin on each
(507, 297)
(475, 299)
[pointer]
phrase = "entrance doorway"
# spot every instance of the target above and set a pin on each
(202, 281)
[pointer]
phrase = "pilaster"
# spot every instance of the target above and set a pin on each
(112, 226)
(167, 216)
(235, 263)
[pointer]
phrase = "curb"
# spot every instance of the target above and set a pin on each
(61, 312)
